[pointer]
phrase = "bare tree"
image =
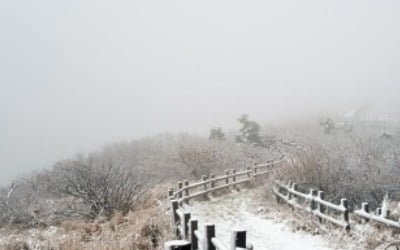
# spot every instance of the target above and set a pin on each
(103, 185)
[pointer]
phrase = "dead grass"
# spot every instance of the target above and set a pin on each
(144, 228)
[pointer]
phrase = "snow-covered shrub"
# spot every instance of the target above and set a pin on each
(104, 185)
(113, 178)
(359, 167)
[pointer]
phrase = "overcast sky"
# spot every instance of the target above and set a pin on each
(75, 75)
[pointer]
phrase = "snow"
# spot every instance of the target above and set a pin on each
(264, 230)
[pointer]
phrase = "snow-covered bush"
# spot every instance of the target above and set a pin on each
(114, 178)
(361, 167)
(104, 185)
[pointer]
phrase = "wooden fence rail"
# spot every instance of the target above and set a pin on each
(380, 216)
(314, 203)
(208, 184)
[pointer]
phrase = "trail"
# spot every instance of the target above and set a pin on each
(264, 231)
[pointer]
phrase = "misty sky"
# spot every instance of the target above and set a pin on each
(75, 75)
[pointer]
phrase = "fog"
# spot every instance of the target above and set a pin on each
(75, 75)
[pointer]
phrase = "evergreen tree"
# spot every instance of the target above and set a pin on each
(216, 134)
(249, 132)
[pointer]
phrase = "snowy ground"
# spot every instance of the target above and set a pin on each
(242, 210)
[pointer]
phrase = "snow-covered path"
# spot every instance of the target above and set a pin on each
(240, 210)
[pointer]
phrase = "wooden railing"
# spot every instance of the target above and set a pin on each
(187, 191)
(186, 228)
(381, 216)
(314, 203)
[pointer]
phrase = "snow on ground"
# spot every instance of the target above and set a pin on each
(241, 210)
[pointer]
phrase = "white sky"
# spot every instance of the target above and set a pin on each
(75, 75)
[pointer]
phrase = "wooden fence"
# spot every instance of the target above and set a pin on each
(187, 191)
(381, 216)
(338, 214)
(186, 228)
(314, 203)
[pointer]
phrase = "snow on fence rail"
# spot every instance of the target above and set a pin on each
(380, 216)
(186, 228)
(314, 203)
(187, 191)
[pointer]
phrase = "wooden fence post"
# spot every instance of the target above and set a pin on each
(233, 175)
(227, 174)
(321, 208)
(212, 183)
(385, 212)
(193, 227)
(186, 219)
(365, 208)
(175, 216)
(344, 203)
(313, 193)
(209, 233)
(294, 187)
(186, 183)
(170, 193)
(204, 178)
(289, 195)
(378, 211)
(278, 199)
(180, 186)
(248, 168)
(238, 239)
